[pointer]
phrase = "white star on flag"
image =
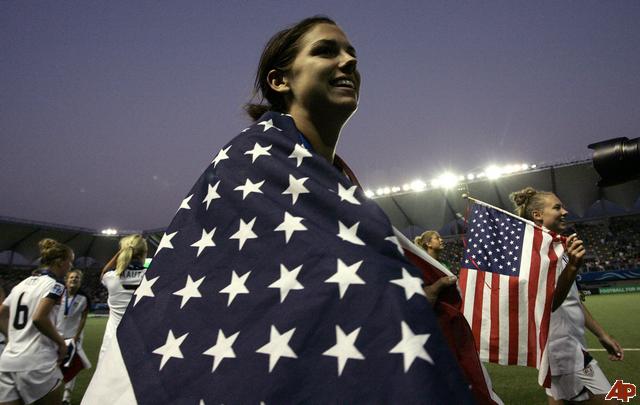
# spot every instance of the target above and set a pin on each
(268, 124)
(287, 281)
(289, 225)
(411, 346)
(257, 151)
(349, 234)
(185, 203)
(296, 187)
(223, 349)
(278, 346)
(411, 285)
(206, 240)
(236, 286)
(299, 153)
(345, 276)
(222, 155)
(348, 194)
(245, 231)
(212, 194)
(345, 348)
(171, 348)
(190, 290)
(396, 242)
(144, 289)
(250, 187)
(165, 242)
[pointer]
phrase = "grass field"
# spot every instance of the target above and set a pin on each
(619, 314)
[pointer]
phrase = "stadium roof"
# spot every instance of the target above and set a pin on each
(19, 242)
(411, 212)
(574, 183)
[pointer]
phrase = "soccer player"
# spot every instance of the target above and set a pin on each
(121, 276)
(575, 375)
(29, 364)
(432, 242)
(71, 320)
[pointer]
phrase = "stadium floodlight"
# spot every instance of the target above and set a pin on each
(386, 191)
(534, 166)
(395, 189)
(369, 193)
(380, 191)
(446, 180)
(524, 166)
(511, 169)
(406, 187)
(109, 232)
(418, 185)
(493, 172)
(616, 160)
(471, 176)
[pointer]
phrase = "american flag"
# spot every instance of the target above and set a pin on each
(278, 281)
(507, 280)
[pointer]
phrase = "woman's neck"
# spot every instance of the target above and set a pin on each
(323, 133)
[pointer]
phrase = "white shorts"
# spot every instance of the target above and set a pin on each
(577, 386)
(29, 386)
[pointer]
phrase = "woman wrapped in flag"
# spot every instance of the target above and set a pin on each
(575, 375)
(278, 281)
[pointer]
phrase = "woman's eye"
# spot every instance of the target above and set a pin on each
(325, 50)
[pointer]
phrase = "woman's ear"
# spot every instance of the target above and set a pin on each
(278, 81)
(536, 215)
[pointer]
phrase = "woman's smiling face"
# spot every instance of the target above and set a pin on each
(323, 76)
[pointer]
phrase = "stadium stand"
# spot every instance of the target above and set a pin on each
(608, 220)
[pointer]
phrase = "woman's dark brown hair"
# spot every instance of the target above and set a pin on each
(279, 54)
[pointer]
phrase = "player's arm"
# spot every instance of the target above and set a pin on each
(4, 319)
(575, 251)
(111, 264)
(613, 347)
(42, 322)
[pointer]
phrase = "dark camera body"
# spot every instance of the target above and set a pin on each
(616, 160)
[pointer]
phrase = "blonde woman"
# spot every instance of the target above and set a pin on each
(575, 375)
(29, 369)
(121, 276)
(432, 242)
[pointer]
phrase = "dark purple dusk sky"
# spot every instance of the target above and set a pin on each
(110, 110)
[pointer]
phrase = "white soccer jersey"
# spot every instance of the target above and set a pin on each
(120, 290)
(70, 313)
(27, 348)
(566, 340)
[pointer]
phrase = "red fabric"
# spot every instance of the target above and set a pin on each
(456, 330)
(74, 368)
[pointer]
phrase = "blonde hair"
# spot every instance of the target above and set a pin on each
(53, 252)
(423, 239)
(528, 200)
(131, 247)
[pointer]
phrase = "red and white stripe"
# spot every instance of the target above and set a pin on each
(509, 315)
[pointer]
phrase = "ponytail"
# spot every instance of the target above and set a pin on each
(131, 247)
